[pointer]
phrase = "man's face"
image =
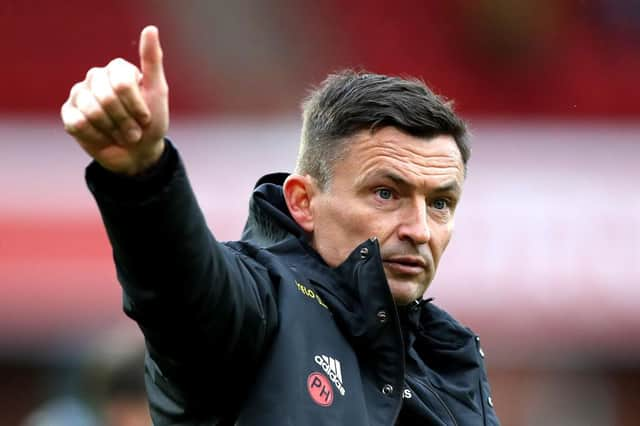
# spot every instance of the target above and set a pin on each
(401, 189)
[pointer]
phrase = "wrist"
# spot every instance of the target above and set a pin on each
(139, 161)
(148, 160)
(119, 185)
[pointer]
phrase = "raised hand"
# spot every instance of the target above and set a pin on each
(119, 114)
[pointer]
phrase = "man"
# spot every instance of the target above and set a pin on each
(316, 317)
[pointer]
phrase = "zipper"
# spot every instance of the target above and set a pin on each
(446, 407)
(484, 411)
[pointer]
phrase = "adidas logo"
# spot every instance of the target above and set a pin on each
(331, 366)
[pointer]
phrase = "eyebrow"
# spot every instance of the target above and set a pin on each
(452, 186)
(397, 179)
(385, 174)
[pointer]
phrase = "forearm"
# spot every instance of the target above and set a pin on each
(188, 293)
(158, 234)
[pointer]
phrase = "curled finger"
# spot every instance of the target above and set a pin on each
(89, 106)
(78, 126)
(125, 81)
(110, 102)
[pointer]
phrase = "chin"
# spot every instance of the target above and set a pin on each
(404, 292)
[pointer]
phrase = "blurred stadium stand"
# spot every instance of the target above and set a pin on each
(545, 263)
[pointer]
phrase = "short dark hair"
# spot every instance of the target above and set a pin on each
(350, 101)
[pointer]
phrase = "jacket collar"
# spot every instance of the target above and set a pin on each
(269, 220)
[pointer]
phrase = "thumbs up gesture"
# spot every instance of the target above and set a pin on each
(119, 114)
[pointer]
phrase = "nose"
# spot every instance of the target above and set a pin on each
(414, 224)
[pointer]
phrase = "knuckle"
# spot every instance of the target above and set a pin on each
(81, 99)
(75, 89)
(80, 123)
(76, 125)
(93, 113)
(122, 87)
(128, 123)
(123, 81)
(90, 108)
(117, 62)
(64, 115)
(69, 128)
(119, 117)
(143, 115)
(91, 73)
(107, 99)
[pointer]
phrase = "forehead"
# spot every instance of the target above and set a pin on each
(389, 151)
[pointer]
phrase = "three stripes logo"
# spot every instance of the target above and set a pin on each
(331, 366)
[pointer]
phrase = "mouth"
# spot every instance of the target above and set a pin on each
(406, 265)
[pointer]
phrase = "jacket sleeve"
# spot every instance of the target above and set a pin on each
(207, 312)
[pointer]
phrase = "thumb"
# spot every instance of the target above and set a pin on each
(151, 56)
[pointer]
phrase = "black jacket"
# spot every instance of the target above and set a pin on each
(263, 332)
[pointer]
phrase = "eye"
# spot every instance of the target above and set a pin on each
(384, 193)
(440, 204)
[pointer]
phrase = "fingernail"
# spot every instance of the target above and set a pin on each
(133, 134)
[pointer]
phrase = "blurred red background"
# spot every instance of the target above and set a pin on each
(545, 262)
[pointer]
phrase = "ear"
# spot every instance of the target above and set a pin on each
(298, 191)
